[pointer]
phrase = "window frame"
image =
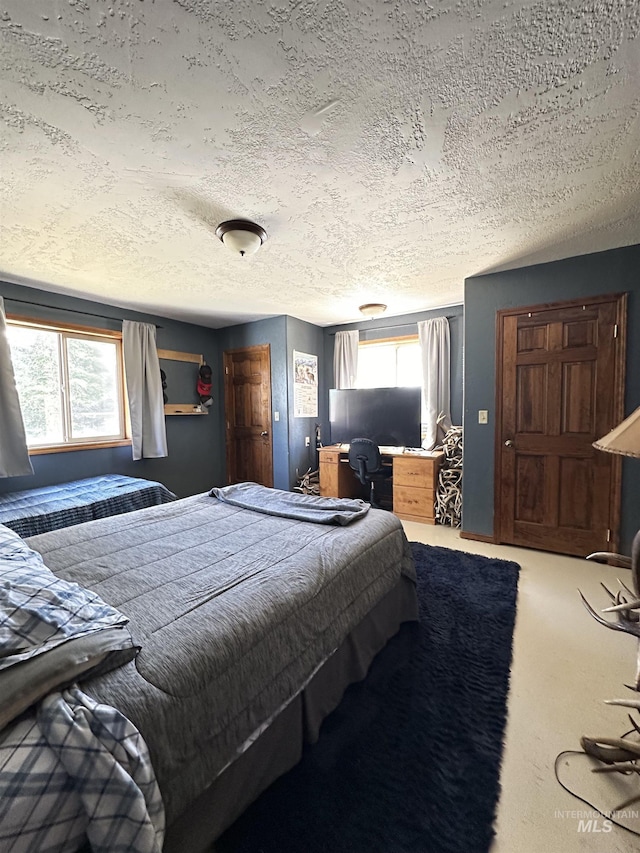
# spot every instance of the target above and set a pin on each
(74, 331)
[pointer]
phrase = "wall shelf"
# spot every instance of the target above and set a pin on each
(175, 355)
(182, 408)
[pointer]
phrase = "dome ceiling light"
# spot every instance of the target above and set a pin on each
(241, 236)
(372, 309)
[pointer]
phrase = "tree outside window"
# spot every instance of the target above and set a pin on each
(69, 383)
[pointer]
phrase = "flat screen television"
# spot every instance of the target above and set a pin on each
(388, 416)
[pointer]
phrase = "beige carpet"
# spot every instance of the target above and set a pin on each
(565, 665)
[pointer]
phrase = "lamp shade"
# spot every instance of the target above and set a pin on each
(241, 236)
(624, 439)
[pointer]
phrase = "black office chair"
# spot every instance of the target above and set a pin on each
(365, 459)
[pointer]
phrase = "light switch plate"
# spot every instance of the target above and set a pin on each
(483, 416)
(276, 416)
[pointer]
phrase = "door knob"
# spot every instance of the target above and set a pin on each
(508, 443)
(264, 432)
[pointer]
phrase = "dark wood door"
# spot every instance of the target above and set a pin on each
(247, 404)
(560, 381)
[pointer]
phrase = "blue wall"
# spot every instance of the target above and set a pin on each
(192, 465)
(395, 327)
(304, 337)
(284, 335)
(196, 460)
(615, 271)
(196, 444)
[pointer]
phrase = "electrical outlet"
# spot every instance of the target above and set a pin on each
(307, 441)
(483, 416)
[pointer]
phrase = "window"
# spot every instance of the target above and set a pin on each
(389, 363)
(70, 384)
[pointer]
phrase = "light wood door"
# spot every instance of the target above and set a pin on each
(560, 387)
(247, 405)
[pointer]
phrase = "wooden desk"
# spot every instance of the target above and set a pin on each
(414, 482)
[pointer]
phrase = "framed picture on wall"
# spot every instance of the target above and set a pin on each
(305, 385)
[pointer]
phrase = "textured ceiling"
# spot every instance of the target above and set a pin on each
(390, 148)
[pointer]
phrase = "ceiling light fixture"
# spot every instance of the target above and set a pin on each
(241, 236)
(372, 309)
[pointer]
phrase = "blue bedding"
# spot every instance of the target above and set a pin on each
(35, 511)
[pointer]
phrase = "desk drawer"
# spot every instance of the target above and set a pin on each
(338, 480)
(329, 455)
(420, 472)
(414, 502)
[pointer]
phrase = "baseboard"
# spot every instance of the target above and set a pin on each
(478, 537)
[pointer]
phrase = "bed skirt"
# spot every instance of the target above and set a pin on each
(280, 746)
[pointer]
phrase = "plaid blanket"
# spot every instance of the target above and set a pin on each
(39, 611)
(84, 771)
(70, 768)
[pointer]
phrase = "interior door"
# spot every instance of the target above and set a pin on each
(560, 387)
(247, 405)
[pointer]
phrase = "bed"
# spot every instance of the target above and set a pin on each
(33, 511)
(250, 625)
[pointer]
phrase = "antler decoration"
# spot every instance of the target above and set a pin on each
(625, 606)
(308, 483)
(620, 755)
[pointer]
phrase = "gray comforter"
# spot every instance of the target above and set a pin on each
(234, 611)
(291, 505)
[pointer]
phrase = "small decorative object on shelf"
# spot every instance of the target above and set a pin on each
(185, 409)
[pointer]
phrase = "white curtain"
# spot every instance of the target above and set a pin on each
(345, 359)
(14, 456)
(436, 378)
(144, 388)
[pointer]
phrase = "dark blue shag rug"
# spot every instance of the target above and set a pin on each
(410, 761)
